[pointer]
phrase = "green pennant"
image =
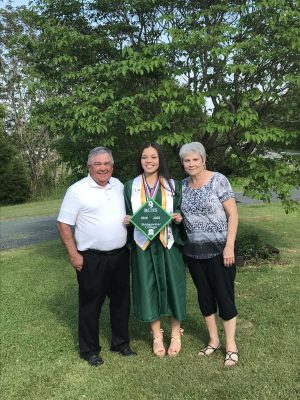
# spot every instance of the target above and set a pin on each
(151, 218)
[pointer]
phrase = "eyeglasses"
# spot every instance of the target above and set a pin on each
(99, 164)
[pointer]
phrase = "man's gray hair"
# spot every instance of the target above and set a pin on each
(193, 147)
(100, 150)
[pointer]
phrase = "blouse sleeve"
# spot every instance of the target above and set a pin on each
(224, 189)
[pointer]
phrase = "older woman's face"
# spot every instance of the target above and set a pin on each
(193, 164)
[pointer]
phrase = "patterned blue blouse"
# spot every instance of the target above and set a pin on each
(205, 219)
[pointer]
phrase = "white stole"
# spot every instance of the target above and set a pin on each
(138, 198)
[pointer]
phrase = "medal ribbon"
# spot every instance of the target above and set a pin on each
(150, 193)
(163, 234)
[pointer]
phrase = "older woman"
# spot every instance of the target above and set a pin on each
(211, 219)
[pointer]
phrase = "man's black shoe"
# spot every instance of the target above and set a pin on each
(125, 351)
(94, 360)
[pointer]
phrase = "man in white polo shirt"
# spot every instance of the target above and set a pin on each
(95, 205)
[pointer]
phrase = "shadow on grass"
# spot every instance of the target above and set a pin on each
(63, 302)
(64, 306)
(271, 237)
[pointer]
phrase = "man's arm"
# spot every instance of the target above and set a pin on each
(66, 236)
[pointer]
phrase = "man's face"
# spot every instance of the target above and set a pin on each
(101, 168)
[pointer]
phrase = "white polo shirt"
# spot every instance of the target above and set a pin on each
(97, 213)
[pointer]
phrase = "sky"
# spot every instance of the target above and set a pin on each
(14, 3)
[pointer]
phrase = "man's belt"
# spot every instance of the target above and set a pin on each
(106, 253)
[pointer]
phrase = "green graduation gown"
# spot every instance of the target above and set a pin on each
(158, 273)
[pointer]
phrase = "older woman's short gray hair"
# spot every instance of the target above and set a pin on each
(193, 147)
(100, 150)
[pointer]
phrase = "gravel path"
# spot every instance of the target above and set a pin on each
(26, 231)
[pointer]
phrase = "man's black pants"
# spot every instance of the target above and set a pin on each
(103, 274)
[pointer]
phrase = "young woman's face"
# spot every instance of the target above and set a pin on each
(150, 160)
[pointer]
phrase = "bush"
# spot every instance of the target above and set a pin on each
(251, 246)
(14, 178)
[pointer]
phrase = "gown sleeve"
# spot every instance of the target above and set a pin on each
(178, 230)
(127, 197)
(128, 206)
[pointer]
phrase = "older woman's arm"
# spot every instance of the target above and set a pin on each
(232, 221)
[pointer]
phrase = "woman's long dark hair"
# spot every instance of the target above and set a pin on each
(163, 170)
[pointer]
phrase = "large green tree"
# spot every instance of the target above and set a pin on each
(31, 139)
(224, 73)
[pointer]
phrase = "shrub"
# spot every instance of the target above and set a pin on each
(251, 246)
(14, 178)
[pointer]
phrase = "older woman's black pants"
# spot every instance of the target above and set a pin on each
(215, 286)
(103, 274)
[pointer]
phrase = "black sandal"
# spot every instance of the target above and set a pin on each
(228, 357)
(205, 351)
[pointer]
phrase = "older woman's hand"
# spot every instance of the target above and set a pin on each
(177, 218)
(228, 255)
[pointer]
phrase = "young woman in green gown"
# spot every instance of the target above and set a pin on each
(158, 270)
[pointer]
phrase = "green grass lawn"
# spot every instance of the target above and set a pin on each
(32, 209)
(39, 331)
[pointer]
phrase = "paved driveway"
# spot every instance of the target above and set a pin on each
(25, 231)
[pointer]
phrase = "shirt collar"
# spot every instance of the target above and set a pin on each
(96, 185)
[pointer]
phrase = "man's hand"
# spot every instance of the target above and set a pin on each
(76, 261)
(66, 235)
